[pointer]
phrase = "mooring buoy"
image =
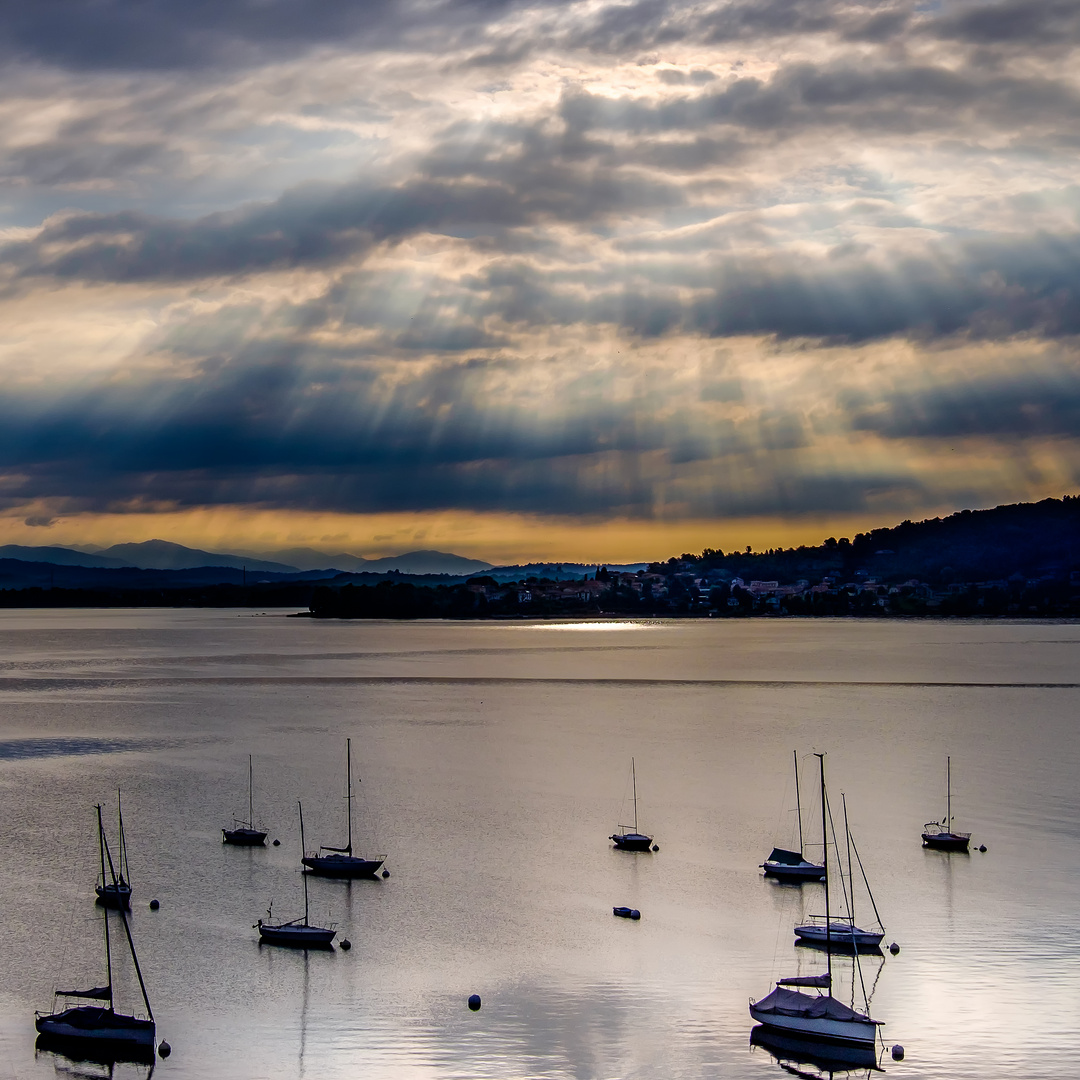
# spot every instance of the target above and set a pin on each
(164, 1049)
(474, 1002)
(154, 905)
(386, 874)
(898, 1053)
(894, 948)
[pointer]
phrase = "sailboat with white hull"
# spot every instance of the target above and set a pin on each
(299, 934)
(98, 1029)
(244, 833)
(841, 934)
(791, 1011)
(792, 866)
(116, 893)
(940, 834)
(341, 862)
(632, 839)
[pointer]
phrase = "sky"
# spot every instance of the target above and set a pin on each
(537, 280)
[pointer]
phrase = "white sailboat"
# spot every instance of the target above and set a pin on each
(341, 862)
(793, 866)
(116, 893)
(789, 1010)
(842, 934)
(98, 1030)
(632, 839)
(296, 932)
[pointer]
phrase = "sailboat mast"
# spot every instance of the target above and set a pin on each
(135, 961)
(104, 909)
(123, 840)
(798, 800)
(851, 878)
(948, 793)
(633, 773)
(251, 810)
(300, 806)
(825, 866)
(348, 771)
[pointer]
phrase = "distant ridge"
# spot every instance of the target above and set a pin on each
(164, 555)
(58, 556)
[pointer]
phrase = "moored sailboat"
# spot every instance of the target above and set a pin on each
(940, 834)
(793, 866)
(789, 1010)
(116, 893)
(341, 862)
(842, 934)
(98, 1029)
(296, 932)
(632, 839)
(244, 833)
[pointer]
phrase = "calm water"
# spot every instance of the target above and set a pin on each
(494, 762)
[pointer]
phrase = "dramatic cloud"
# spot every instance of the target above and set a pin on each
(647, 261)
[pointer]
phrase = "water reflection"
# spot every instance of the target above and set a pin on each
(90, 1063)
(814, 1060)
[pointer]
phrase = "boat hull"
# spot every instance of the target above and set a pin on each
(94, 1027)
(946, 841)
(842, 937)
(819, 1029)
(798, 872)
(243, 837)
(342, 866)
(631, 841)
(297, 936)
(116, 897)
(828, 1057)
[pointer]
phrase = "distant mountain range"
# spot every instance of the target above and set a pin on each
(163, 555)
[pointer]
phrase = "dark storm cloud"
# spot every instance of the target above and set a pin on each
(1012, 406)
(317, 224)
(855, 95)
(171, 34)
(984, 289)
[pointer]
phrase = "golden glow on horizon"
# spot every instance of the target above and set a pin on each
(501, 539)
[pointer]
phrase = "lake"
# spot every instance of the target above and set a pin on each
(494, 761)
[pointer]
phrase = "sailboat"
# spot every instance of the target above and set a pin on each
(816, 1016)
(296, 932)
(842, 935)
(634, 840)
(940, 834)
(244, 833)
(99, 1028)
(341, 862)
(116, 894)
(792, 866)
